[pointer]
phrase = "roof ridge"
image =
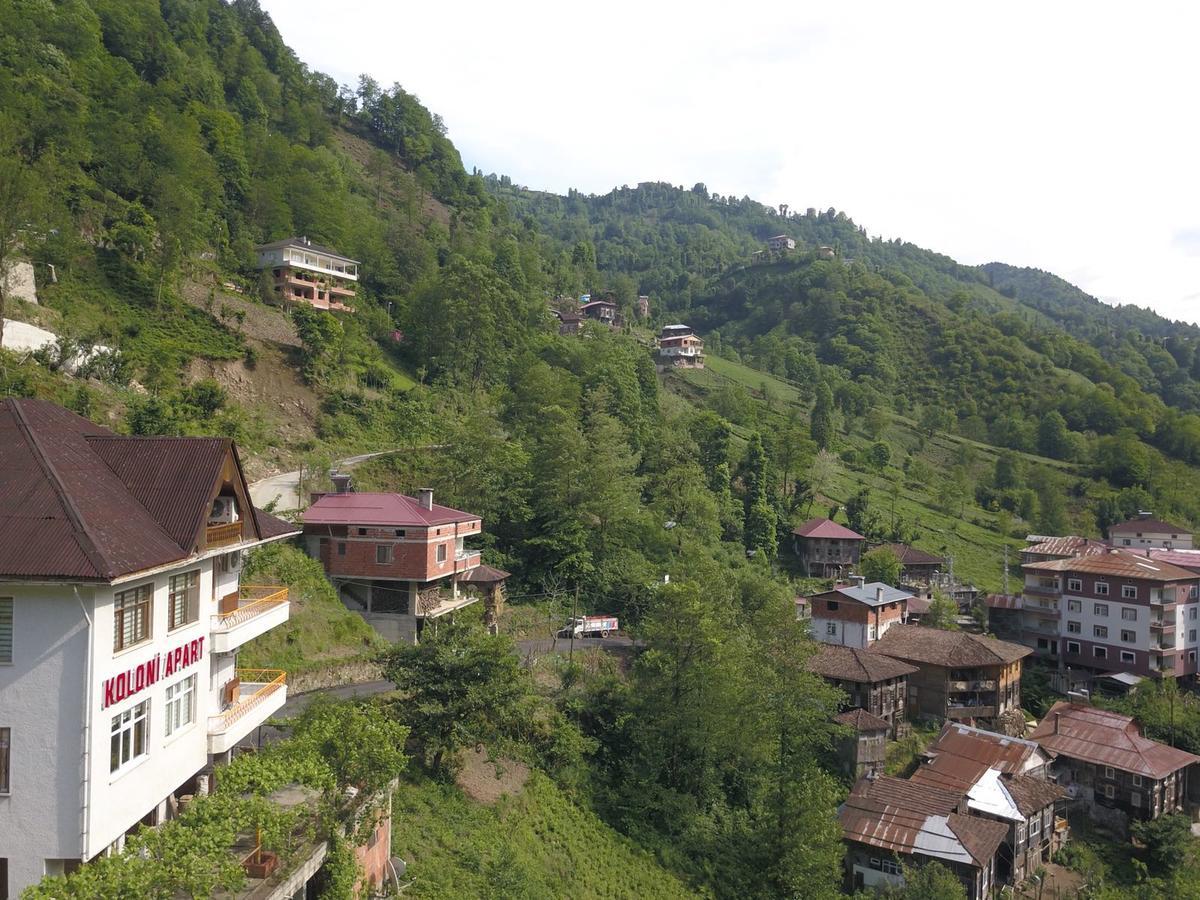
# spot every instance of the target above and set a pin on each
(86, 542)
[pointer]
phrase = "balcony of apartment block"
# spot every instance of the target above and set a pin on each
(1160, 598)
(1042, 628)
(1042, 587)
(1162, 662)
(250, 698)
(1164, 640)
(1039, 606)
(957, 711)
(224, 534)
(247, 613)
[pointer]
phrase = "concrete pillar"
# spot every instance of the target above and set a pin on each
(369, 595)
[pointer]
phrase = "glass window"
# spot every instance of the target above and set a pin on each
(1109, 791)
(183, 599)
(1100, 652)
(129, 736)
(1109, 772)
(1073, 627)
(1128, 656)
(441, 553)
(1127, 636)
(1100, 609)
(383, 553)
(399, 532)
(831, 627)
(131, 616)
(1102, 589)
(5, 758)
(1129, 614)
(341, 548)
(1137, 780)
(1129, 591)
(1074, 584)
(1072, 646)
(1074, 606)
(1100, 631)
(6, 629)
(891, 867)
(181, 704)
(1035, 826)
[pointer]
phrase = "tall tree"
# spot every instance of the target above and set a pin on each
(823, 425)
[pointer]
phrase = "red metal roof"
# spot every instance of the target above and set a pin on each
(911, 556)
(359, 508)
(1069, 545)
(825, 528)
(1147, 525)
(80, 503)
(1107, 738)
(1118, 563)
(1003, 601)
(1185, 559)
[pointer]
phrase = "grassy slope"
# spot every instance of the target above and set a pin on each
(535, 845)
(973, 540)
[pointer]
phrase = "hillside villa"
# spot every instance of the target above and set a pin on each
(826, 549)
(304, 272)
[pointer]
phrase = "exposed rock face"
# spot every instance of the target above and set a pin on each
(20, 284)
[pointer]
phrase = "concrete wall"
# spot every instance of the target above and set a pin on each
(20, 284)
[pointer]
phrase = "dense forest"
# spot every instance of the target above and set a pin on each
(146, 147)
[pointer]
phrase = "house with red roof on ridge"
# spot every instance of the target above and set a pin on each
(403, 560)
(827, 549)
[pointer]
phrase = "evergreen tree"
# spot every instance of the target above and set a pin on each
(823, 425)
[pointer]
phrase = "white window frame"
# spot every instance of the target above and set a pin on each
(191, 599)
(1074, 627)
(441, 553)
(1102, 588)
(1109, 791)
(128, 729)
(386, 549)
(8, 614)
(1129, 614)
(1100, 652)
(119, 643)
(1100, 609)
(1137, 780)
(1129, 592)
(1074, 606)
(1128, 636)
(1075, 584)
(1110, 772)
(1035, 827)
(831, 628)
(180, 709)
(1100, 631)
(891, 867)
(1073, 647)
(1128, 656)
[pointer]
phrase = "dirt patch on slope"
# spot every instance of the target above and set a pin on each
(268, 324)
(361, 150)
(486, 780)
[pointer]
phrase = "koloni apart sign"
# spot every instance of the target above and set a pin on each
(145, 674)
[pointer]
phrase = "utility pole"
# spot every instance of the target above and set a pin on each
(574, 615)
(1005, 568)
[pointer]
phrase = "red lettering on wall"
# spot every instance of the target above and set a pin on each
(146, 674)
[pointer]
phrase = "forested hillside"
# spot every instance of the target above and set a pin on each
(1007, 357)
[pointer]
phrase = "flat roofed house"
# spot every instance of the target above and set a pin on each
(1103, 759)
(889, 823)
(680, 347)
(403, 559)
(780, 243)
(310, 273)
(960, 676)
(1144, 531)
(873, 682)
(857, 615)
(1117, 611)
(121, 616)
(825, 548)
(1004, 779)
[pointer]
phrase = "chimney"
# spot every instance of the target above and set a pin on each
(859, 580)
(425, 496)
(1057, 716)
(341, 483)
(879, 594)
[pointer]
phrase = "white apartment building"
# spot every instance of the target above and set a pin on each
(1144, 532)
(1113, 612)
(121, 615)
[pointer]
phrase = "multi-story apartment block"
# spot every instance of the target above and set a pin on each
(826, 549)
(960, 676)
(1144, 531)
(1114, 612)
(305, 272)
(398, 556)
(858, 614)
(1103, 759)
(121, 615)
(871, 681)
(680, 347)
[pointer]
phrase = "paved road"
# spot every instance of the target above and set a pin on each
(284, 488)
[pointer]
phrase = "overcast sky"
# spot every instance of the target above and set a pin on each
(1055, 135)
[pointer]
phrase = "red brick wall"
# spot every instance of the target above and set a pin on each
(853, 611)
(373, 856)
(414, 556)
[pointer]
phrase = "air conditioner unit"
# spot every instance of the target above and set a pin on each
(224, 510)
(233, 561)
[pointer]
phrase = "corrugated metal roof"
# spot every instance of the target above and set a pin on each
(1069, 545)
(1147, 525)
(874, 594)
(826, 528)
(1185, 559)
(358, 508)
(1003, 601)
(1118, 563)
(1103, 737)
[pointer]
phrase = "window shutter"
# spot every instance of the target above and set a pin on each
(6, 629)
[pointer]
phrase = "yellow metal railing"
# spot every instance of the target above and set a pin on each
(221, 535)
(262, 597)
(268, 680)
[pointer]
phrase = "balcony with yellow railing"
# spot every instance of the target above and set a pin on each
(252, 697)
(223, 535)
(247, 613)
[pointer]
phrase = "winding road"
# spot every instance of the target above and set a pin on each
(284, 488)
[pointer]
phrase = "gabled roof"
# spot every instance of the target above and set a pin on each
(366, 508)
(916, 819)
(1070, 545)
(482, 574)
(911, 556)
(825, 528)
(875, 593)
(1147, 525)
(1033, 794)
(78, 502)
(1106, 738)
(1185, 559)
(853, 664)
(302, 244)
(952, 649)
(1011, 755)
(1117, 563)
(861, 720)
